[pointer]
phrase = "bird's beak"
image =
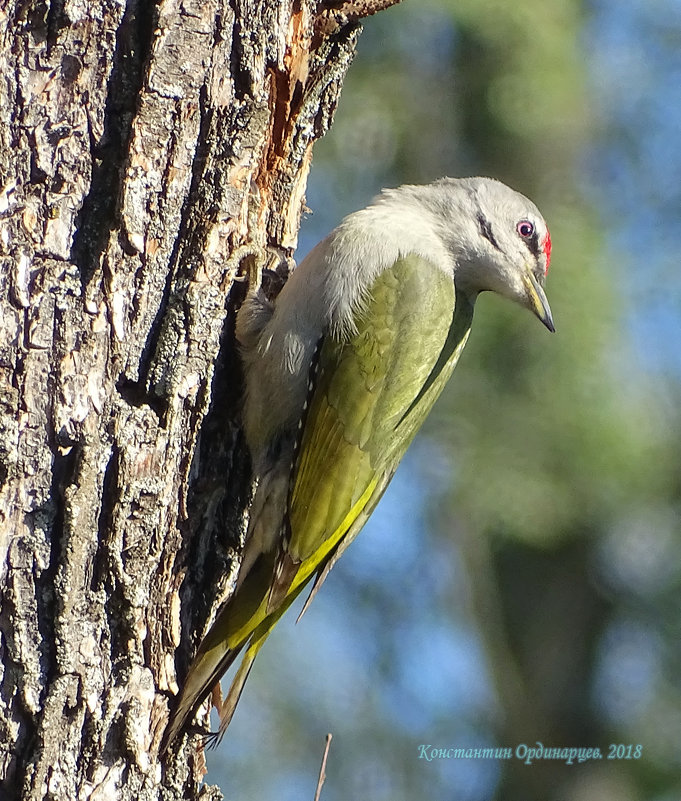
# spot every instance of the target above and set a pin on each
(536, 299)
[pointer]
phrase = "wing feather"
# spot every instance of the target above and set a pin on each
(371, 396)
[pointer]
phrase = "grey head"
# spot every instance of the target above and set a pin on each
(497, 237)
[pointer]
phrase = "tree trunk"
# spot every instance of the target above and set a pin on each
(148, 153)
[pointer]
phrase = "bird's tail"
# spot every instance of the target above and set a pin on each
(245, 621)
(204, 673)
(228, 706)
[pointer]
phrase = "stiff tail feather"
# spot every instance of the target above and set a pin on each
(228, 706)
(261, 633)
(211, 662)
(195, 690)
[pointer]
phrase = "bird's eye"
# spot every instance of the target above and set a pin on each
(525, 229)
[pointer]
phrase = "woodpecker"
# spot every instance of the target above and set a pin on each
(341, 371)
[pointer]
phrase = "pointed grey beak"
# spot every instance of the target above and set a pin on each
(537, 301)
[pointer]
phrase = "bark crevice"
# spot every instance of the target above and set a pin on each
(100, 208)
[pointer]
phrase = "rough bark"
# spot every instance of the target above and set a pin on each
(148, 151)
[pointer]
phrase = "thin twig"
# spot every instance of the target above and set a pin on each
(322, 769)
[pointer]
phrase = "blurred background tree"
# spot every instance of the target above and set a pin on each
(520, 581)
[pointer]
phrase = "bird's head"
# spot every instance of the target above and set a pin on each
(500, 242)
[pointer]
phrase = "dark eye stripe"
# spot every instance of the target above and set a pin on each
(533, 245)
(486, 231)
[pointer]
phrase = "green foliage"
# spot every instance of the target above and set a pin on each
(552, 542)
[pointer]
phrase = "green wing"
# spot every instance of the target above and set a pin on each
(371, 395)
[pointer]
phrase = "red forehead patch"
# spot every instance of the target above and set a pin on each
(547, 251)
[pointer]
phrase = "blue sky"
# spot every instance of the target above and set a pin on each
(634, 173)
